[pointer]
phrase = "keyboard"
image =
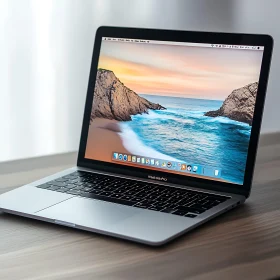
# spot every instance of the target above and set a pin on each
(155, 197)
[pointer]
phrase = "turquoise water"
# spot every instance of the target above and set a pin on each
(183, 132)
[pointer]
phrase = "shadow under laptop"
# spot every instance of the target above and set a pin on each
(196, 235)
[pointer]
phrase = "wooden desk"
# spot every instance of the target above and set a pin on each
(242, 244)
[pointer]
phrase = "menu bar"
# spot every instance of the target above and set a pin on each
(167, 164)
(219, 46)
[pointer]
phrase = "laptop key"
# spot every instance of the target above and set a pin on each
(159, 190)
(75, 192)
(118, 191)
(147, 191)
(172, 200)
(116, 195)
(199, 206)
(62, 190)
(159, 204)
(217, 198)
(137, 199)
(168, 210)
(190, 209)
(141, 205)
(53, 188)
(73, 181)
(97, 187)
(167, 195)
(61, 180)
(155, 208)
(131, 192)
(196, 211)
(70, 186)
(188, 202)
(127, 197)
(201, 201)
(95, 191)
(200, 209)
(180, 213)
(79, 188)
(190, 215)
(106, 193)
(109, 189)
(126, 188)
(161, 199)
(68, 177)
(154, 197)
(179, 192)
(87, 189)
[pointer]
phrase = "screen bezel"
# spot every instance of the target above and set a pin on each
(180, 36)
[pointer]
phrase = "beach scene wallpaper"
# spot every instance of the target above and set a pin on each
(178, 103)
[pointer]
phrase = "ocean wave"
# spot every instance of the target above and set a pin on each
(165, 115)
(245, 132)
(225, 120)
(135, 146)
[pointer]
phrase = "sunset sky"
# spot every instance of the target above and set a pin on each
(196, 72)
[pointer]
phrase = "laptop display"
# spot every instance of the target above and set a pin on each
(183, 108)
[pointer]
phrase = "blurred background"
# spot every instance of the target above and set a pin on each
(45, 55)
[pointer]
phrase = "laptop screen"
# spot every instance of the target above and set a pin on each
(182, 108)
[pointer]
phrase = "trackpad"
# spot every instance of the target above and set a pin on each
(89, 213)
(28, 199)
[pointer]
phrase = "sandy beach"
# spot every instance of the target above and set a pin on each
(103, 140)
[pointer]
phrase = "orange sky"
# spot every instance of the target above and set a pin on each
(180, 70)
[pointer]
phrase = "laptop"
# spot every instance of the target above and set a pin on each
(169, 135)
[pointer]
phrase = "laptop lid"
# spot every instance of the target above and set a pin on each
(176, 106)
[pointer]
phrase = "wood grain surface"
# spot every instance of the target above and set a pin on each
(242, 244)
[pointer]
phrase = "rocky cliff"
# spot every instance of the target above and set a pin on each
(239, 105)
(113, 100)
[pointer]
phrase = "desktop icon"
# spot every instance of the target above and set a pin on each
(152, 161)
(189, 168)
(116, 155)
(183, 166)
(195, 167)
(120, 156)
(216, 173)
(169, 164)
(138, 159)
(163, 164)
(143, 160)
(133, 158)
(157, 162)
(129, 158)
(147, 161)
(125, 157)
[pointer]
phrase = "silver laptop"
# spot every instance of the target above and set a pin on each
(169, 135)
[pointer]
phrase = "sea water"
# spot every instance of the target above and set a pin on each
(182, 133)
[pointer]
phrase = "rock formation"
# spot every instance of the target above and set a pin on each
(239, 105)
(113, 100)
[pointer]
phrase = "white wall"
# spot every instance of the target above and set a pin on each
(46, 49)
(258, 16)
